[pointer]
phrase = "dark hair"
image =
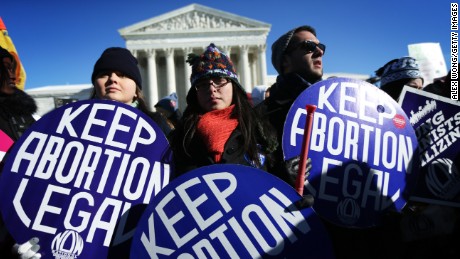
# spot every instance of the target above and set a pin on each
(248, 122)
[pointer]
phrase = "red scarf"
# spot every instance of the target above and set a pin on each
(215, 127)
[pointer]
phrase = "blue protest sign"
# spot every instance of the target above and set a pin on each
(437, 125)
(72, 178)
(229, 211)
(362, 149)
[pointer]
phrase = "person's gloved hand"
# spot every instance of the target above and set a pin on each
(292, 167)
(27, 250)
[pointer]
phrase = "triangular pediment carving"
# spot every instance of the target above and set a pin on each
(192, 21)
(194, 17)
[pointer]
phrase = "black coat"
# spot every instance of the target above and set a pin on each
(275, 109)
(198, 156)
(16, 112)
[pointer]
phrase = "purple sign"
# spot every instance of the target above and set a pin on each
(72, 178)
(229, 211)
(437, 125)
(362, 148)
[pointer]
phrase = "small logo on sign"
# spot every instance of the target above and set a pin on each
(348, 211)
(399, 121)
(443, 178)
(67, 244)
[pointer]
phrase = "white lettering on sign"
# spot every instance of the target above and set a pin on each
(436, 134)
(355, 102)
(94, 124)
(270, 213)
(341, 138)
(71, 169)
(371, 186)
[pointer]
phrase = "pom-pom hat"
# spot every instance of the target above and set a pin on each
(118, 59)
(212, 63)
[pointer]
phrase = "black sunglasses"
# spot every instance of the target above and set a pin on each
(309, 46)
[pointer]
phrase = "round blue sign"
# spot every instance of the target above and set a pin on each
(72, 178)
(229, 211)
(362, 147)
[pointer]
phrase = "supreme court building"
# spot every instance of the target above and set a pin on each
(161, 45)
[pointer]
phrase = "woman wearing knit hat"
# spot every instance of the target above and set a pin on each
(397, 73)
(116, 76)
(219, 125)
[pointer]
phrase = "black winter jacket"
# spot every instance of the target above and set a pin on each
(234, 153)
(16, 112)
(275, 109)
(15, 117)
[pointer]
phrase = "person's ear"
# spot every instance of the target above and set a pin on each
(285, 64)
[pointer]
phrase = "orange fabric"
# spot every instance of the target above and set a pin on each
(215, 127)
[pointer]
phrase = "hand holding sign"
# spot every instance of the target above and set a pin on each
(77, 172)
(28, 250)
(305, 146)
(362, 148)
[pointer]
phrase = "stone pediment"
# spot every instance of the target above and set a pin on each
(194, 17)
(194, 20)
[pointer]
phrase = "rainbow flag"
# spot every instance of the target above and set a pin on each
(7, 43)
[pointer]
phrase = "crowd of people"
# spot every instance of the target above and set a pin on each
(221, 125)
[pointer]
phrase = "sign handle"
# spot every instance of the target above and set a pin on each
(300, 180)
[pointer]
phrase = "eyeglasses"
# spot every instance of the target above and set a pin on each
(309, 46)
(217, 82)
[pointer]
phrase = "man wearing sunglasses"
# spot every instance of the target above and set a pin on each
(297, 56)
(299, 53)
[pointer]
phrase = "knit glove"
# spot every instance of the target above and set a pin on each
(292, 167)
(27, 250)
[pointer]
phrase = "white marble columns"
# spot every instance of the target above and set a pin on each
(250, 61)
(245, 74)
(171, 71)
(262, 65)
(151, 91)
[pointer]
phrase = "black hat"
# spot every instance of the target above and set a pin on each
(118, 59)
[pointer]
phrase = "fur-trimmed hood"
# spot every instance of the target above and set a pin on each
(19, 103)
